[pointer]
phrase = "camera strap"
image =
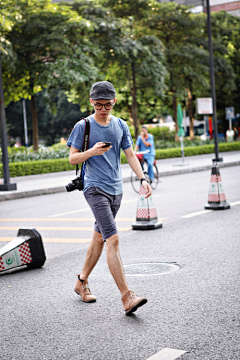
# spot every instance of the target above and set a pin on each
(85, 143)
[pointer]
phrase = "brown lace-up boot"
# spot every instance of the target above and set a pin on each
(131, 302)
(83, 290)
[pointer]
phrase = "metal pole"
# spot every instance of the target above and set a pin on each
(6, 186)
(184, 120)
(25, 122)
(181, 138)
(205, 125)
(217, 159)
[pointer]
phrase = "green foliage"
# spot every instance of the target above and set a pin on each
(59, 123)
(27, 154)
(196, 150)
(229, 146)
(38, 167)
(190, 151)
(47, 166)
(154, 53)
(40, 35)
(54, 121)
(161, 133)
(51, 50)
(167, 144)
(226, 29)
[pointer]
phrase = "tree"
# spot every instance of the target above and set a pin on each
(225, 31)
(52, 124)
(178, 29)
(44, 36)
(234, 58)
(59, 123)
(126, 52)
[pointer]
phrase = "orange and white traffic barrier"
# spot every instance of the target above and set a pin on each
(216, 196)
(26, 249)
(146, 218)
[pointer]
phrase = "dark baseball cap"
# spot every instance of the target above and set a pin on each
(102, 90)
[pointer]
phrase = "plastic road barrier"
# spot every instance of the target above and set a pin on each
(216, 196)
(26, 249)
(146, 218)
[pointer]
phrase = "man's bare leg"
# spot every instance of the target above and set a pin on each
(115, 263)
(93, 254)
(131, 302)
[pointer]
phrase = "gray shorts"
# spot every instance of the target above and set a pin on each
(104, 207)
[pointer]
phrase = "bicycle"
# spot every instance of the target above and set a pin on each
(135, 180)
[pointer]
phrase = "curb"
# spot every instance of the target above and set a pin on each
(30, 193)
(54, 190)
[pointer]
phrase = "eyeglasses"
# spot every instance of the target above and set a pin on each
(107, 106)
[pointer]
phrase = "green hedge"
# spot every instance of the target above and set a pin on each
(38, 167)
(191, 150)
(55, 165)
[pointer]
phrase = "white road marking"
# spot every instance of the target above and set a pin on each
(54, 240)
(76, 211)
(167, 354)
(206, 211)
(235, 203)
(67, 228)
(196, 214)
(69, 212)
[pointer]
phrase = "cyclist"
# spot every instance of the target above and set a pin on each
(145, 141)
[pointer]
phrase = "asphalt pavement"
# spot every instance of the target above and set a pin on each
(55, 182)
(189, 271)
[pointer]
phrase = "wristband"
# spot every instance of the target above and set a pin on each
(143, 180)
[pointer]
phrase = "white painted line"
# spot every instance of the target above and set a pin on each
(167, 354)
(235, 203)
(196, 214)
(76, 211)
(69, 212)
(206, 211)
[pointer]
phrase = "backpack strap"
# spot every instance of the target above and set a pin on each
(85, 141)
(86, 135)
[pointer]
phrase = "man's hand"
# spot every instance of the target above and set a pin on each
(99, 149)
(147, 187)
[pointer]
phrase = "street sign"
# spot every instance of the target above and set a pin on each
(229, 113)
(204, 106)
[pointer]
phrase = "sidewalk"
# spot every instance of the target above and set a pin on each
(55, 182)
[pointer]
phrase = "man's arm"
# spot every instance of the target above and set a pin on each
(136, 148)
(146, 143)
(135, 165)
(77, 157)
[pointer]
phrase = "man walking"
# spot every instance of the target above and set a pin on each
(145, 141)
(103, 187)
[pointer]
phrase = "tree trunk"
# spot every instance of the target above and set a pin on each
(129, 108)
(175, 117)
(34, 123)
(190, 114)
(134, 103)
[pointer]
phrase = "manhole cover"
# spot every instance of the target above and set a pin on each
(147, 269)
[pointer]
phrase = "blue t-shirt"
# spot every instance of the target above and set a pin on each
(143, 147)
(103, 171)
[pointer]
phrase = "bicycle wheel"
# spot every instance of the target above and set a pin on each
(156, 177)
(135, 182)
(154, 183)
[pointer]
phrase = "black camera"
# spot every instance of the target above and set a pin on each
(75, 184)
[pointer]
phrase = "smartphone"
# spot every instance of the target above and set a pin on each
(107, 144)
